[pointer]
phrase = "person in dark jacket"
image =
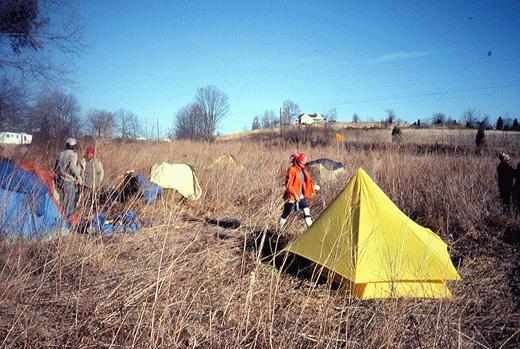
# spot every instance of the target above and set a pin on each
(506, 176)
(516, 190)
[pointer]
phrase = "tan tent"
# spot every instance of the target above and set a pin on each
(179, 177)
(226, 161)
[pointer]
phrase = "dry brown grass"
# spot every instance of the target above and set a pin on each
(186, 283)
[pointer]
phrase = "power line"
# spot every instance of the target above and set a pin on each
(427, 94)
(321, 76)
(395, 86)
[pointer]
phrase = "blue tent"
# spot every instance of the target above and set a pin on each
(26, 207)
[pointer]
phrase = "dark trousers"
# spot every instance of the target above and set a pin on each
(68, 198)
(289, 206)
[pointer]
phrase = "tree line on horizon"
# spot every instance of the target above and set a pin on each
(470, 118)
(54, 113)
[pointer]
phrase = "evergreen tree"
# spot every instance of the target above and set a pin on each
(396, 134)
(515, 127)
(500, 123)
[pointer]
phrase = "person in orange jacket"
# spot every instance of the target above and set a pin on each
(298, 188)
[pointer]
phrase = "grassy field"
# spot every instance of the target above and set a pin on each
(187, 281)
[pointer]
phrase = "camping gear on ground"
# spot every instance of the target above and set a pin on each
(135, 183)
(325, 171)
(179, 177)
(363, 238)
(27, 209)
(125, 222)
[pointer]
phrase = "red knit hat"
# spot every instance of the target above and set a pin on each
(91, 150)
(298, 158)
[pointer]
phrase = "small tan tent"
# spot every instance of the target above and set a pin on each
(226, 161)
(179, 177)
(365, 239)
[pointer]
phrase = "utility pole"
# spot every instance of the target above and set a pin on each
(281, 127)
(157, 130)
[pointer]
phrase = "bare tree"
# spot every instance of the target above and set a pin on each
(14, 108)
(57, 114)
(355, 118)
(266, 120)
(438, 119)
(214, 105)
(507, 121)
(128, 124)
(256, 123)
(135, 128)
(332, 115)
(269, 120)
(189, 122)
(470, 118)
(101, 123)
(275, 120)
(424, 122)
(390, 116)
(290, 111)
(451, 121)
(32, 33)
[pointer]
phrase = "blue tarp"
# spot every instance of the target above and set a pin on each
(149, 190)
(26, 207)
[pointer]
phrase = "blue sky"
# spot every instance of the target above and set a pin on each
(416, 58)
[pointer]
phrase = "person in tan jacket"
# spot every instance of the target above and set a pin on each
(69, 177)
(92, 174)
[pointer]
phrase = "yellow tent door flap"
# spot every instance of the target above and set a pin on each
(365, 238)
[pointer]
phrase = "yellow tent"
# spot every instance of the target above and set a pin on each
(180, 177)
(364, 237)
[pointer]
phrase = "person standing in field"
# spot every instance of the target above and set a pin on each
(298, 188)
(69, 176)
(92, 174)
(506, 175)
(516, 191)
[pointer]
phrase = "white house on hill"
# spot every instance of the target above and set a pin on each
(309, 119)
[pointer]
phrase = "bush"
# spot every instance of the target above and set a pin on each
(396, 134)
(480, 138)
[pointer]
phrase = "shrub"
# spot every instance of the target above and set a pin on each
(396, 134)
(480, 138)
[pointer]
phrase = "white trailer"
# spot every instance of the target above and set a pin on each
(15, 138)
